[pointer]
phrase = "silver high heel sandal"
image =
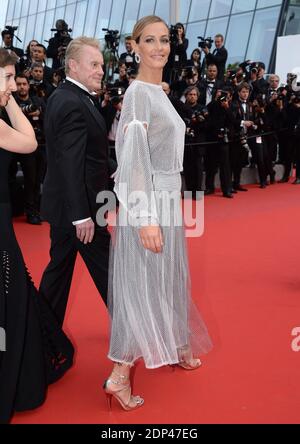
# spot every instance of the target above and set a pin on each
(122, 393)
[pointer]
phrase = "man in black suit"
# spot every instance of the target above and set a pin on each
(77, 151)
(39, 56)
(218, 57)
(7, 38)
(208, 87)
(128, 57)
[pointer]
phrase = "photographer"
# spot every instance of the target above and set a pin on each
(122, 81)
(218, 57)
(208, 87)
(190, 77)
(7, 38)
(34, 164)
(259, 85)
(38, 86)
(293, 121)
(233, 79)
(195, 60)
(39, 56)
(260, 143)
(193, 164)
(128, 57)
(178, 55)
(240, 149)
(220, 124)
(58, 44)
(111, 108)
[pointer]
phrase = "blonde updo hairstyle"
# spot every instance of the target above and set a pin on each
(142, 23)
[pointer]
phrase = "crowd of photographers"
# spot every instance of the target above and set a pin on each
(234, 118)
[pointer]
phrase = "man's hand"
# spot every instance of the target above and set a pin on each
(85, 232)
(248, 123)
(151, 238)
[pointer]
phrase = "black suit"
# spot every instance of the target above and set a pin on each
(77, 155)
(18, 51)
(239, 155)
(204, 85)
(218, 58)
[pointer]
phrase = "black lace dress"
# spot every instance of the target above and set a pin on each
(34, 351)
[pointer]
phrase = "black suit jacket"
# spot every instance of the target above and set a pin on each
(77, 156)
(219, 59)
(203, 85)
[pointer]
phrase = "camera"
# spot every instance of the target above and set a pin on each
(189, 72)
(131, 71)
(112, 38)
(231, 74)
(173, 30)
(223, 134)
(28, 109)
(291, 77)
(200, 115)
(189, 131)
(11, 29)
(205, 42)
(223, 97)
(280, 92)
(254, 67)
(244, 141)
(296, 98)
(114, 91)
(24, 63)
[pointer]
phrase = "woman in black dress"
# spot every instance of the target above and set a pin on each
(34, 352)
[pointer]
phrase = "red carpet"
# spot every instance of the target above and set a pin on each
(246, 281)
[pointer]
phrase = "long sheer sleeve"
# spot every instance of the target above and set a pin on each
(133, 178)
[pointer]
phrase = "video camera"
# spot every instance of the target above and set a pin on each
(11, 31)
(205, 42)
(112, 39)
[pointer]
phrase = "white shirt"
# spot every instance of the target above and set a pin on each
(80, 85)
(211, 84)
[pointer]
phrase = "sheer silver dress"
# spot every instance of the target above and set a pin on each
(152, 314)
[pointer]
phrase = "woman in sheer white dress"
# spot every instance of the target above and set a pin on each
(153, 316)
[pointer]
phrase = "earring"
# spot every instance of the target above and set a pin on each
(138, 58)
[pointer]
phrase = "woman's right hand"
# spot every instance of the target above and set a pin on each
(151, 238)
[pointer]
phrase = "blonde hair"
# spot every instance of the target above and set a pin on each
(76, 46)
(142, 23)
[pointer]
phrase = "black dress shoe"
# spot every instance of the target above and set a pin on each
(263, 185)
(233, 191)
(297, 181)
(228, 195)
(240, 188)
(208, 192)
(284, 180)
(34, 219)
